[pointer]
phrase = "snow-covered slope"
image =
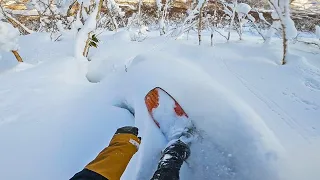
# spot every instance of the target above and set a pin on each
(258, 120)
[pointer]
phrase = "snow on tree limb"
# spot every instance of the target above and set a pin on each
(82, 35)
(243, 10)
(188, 22)
(163, 12)
(8, 37)
(115, 12)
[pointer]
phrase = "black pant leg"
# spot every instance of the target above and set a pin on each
(171, 161)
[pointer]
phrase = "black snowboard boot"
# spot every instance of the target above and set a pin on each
(171, 161)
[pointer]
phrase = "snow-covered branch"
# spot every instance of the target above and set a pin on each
(163, 14)
(14, 22)
(233, 7)
(81, 44)
(114, 14)
(9, 39)
(243, 10)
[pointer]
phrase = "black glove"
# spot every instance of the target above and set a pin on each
(128, 130)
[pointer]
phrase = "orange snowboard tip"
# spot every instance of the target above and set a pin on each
(152, 101)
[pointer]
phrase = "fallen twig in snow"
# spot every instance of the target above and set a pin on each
(221, 34)
(309, 43)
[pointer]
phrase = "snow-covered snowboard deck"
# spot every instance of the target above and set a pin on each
(167, 114)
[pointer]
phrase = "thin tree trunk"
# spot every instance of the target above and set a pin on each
(81, 15)
(235, 2)
(17, 55)
(99, 9)
(282, 19)
(200, 20)
(285, 44)
(139, 14)
(86, 48)
(160, 8)
(284, 34)
(200, 25)
(162, 30)
(164, 15)
(214, 22)
(240, 28)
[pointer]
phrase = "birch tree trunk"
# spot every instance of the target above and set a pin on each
(284, 33)
(283, 15)
(285, 44)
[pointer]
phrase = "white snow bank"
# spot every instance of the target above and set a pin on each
(99, 69)
(258, 120)
(122, 35)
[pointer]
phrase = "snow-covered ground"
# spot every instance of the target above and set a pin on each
(257, 119)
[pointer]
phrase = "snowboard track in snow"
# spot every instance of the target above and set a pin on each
(290, 121)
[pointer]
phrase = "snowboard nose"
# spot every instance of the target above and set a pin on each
(152, 102)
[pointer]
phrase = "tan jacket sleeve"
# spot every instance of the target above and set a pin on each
(113, 160)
